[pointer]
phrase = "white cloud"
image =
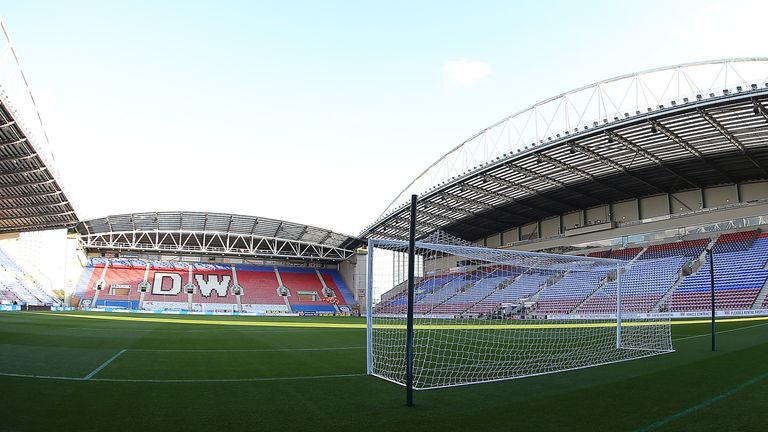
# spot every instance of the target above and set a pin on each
(466, 72)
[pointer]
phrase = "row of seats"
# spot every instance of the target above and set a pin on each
(690, 248)
(303, 289)
(736, 241)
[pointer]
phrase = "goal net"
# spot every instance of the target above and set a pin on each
(485, 314)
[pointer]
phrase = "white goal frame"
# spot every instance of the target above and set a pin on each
(619, 319)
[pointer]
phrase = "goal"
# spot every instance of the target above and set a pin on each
(484, 314)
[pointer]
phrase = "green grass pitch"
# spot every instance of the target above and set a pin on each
(104, 372)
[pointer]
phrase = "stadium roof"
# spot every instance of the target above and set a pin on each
(213, 234)
(658, 131)
(31, 196)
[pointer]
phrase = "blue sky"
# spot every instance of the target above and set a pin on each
(319, 112)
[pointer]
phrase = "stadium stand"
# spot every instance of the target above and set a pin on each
(569, 292)
(508, 290)
(739, 275)
(599, 254)
(642, 286)
(689, 249)
(306, 290)
(18, 286)
(625, 254)
(654, 278)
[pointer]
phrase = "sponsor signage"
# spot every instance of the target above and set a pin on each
(695, 314)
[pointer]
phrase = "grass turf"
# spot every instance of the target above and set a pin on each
(312, 378)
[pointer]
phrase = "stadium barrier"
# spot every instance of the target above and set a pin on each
(9, 307)
(652, 315)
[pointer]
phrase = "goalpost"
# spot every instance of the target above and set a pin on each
(482, 314)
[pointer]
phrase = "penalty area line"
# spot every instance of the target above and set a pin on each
(103, 365)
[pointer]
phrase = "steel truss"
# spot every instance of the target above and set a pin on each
(210, 243)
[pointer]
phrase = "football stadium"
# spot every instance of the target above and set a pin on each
(595, 261)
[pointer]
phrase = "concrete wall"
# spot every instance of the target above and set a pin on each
(572, 219)
(674, 222)
(720, 196)
(511, 235)
(686, 201)
(753, 191)
(599, 213)
(627, 211)
(550, 227)
(653, 206)
(529, 231)
(441, 264)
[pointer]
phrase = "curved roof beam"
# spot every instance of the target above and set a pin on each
(587, 108)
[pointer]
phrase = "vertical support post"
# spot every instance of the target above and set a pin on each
(411, 296)
(618, 307)
(712, 291)
(369, 309)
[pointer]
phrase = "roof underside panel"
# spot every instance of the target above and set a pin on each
(30, 196)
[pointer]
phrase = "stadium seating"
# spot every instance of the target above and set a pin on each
(303, 280)
(18, 286)
(654, 283)
(649, 285)
(309, 290)
(734, 242)
(691, 248)
(642, 286)
(648, 280)
(523, 286)
(624, 254)
(739, 276)
(568, 292)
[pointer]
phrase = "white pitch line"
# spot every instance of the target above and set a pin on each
(229, 379)
(154, 330)
(247, 350)
(128, 380)
(63, 378)
(103, 365)
(718, 332)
